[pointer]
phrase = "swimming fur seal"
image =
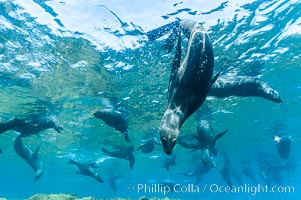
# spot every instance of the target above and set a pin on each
(9, 124)
(190, 81)
(114, 114)
(283, 144)
(87, 169)
(122, 153)
(148, 145)
(37, 123)
(31, 157)
(243, 86)
(207, 140)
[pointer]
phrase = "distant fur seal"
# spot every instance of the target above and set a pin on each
(226, 171)
(190, 81)
(207, 140)
(122, 153)
(114, 114)
(198, 171)
(87, 169)
(31, 157)
(148, 145)
(243, 86)
(283, 145)
(204, 140)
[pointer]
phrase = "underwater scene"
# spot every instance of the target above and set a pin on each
(116, 99)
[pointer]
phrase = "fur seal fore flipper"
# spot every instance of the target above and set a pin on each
(216, 76)
(218, 136)
(175, 67)
(171, 40)
(161, 31)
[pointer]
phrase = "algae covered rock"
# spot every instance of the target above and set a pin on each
(58, 197)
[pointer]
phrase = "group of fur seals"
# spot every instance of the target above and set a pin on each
(190, 81)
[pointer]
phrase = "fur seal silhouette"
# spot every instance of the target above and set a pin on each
(204, 140)
(207, 140)
(243, 86)
(37, 123)
(226, 171)
(9, 124)
(190, 81)
(122, 153)
(283, 145)
(115, 115)
(31, 157)
(87, 169)
(198, 171)
(148, 145)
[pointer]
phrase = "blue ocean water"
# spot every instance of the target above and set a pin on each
(62, 57)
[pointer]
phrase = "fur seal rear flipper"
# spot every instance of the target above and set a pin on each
(243, 86)
(31, 157)
(185, 95)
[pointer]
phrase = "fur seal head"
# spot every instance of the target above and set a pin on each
(169, 130)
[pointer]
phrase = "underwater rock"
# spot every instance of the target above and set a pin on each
(58, 197)
(74, 197)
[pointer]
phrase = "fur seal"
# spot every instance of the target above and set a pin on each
(226, 171)
(148, 145)
(87, 169)
(31, 157)
(243, 86)
(283, 145)
(197, 172)
(204, 140)
(37, 123)
(185, 95)
(122, 153)
(207, 140)
(114, 118)
(6, 125)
